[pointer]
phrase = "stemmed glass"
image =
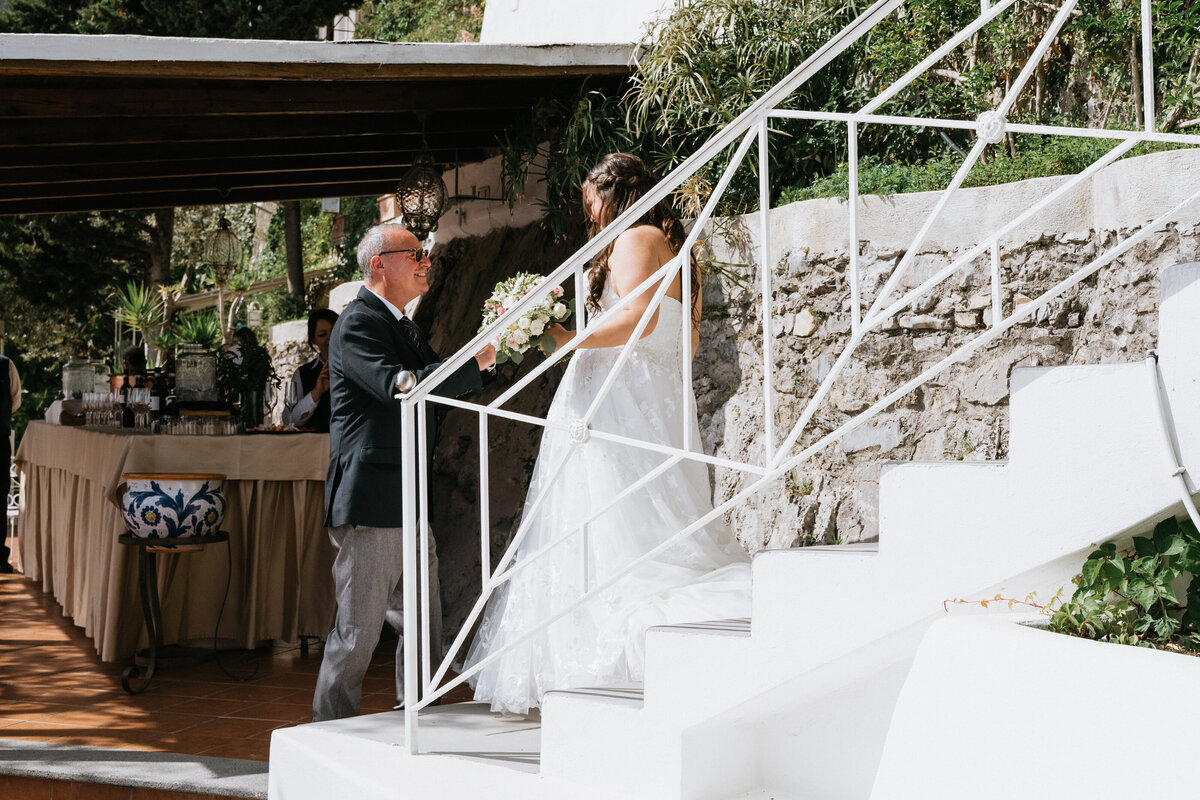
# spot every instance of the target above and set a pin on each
(139, 398)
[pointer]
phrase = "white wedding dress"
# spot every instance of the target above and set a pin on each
(704, 576)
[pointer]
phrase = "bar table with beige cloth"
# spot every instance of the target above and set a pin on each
(280, 584)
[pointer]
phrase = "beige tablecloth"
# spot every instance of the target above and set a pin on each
(280, 579)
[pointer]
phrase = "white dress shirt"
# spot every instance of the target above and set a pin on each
(298, 405)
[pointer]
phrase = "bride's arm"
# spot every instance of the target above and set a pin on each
(634, 259)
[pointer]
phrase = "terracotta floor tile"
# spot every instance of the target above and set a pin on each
(233, 728)
(184, 688)
(244, 749)
(211, 707)
(291, 680)
(39, 725)
(256, 692)
(54, 688)
(277, 712)
(146, 703)
(72, 790)
(141, 793)
(168, 722)
(17, 788)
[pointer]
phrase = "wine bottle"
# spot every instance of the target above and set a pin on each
(157, 395)
(126, 408)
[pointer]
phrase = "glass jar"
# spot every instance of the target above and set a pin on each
(195, 374)
(101, 383)
(78, 377)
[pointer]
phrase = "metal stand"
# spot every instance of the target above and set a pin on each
(132, 679)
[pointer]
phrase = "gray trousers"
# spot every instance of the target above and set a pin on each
(367, 585)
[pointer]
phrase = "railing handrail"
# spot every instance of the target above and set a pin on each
(749, 125)
(836, 45)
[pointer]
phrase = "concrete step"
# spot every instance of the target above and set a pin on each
(465, 751)
(629, 695)
(45, 769)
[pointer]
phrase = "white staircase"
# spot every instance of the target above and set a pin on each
(798, 702)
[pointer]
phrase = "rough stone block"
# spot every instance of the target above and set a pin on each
(805, 323)
(979, 300)
(924, 322)
(966, 319)
(885, 436)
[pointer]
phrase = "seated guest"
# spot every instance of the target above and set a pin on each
(306, 404)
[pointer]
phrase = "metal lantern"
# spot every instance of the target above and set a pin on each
(421, 196)
(223, 251)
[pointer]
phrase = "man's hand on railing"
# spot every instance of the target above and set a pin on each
(486, 358)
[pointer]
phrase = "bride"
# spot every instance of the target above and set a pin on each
(702, 577)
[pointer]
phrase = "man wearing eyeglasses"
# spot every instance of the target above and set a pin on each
(372, 346)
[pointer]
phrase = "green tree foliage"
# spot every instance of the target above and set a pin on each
(708, 60)
(231, 19)
(56, 273)
(421, 20)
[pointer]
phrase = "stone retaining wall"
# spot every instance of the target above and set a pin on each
(1111, 317)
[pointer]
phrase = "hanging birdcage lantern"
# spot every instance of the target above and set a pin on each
(223, 251)
(421, 196)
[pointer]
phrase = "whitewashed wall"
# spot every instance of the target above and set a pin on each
(563, 21)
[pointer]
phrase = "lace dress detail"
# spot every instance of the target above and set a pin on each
(704, 576)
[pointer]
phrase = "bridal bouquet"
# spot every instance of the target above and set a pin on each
(528, 330)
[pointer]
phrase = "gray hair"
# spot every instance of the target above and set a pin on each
(373, 242)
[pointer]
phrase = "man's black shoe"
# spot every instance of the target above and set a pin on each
(400, 706)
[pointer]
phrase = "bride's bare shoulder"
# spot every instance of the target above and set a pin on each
(641, 236)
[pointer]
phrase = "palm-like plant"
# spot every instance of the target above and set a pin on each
(198, 327)
(140, 307)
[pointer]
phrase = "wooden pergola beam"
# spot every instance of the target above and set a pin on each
(399, 159)
(195, 197)
(130, 122)
(80, 98)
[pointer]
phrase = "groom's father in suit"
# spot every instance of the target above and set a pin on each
(372, 343)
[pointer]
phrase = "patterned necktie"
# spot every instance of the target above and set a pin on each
(412, 332)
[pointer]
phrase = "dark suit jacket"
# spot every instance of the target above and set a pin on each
(366, 350)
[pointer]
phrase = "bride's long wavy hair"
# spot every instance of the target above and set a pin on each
(619, 181)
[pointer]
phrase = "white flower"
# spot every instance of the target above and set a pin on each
(523, 323)
(537, 327)
(517, 339)
(560, 310)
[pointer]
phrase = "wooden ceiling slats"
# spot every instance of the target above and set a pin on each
(96, 169)
(101, 123)
(207, 197)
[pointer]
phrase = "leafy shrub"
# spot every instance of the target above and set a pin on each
(1036, 157)
(708, 60)
(421, 20)
(1130, 598)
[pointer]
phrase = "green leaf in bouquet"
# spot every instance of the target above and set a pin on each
(501, 357)
(547, 343)
(517, 358)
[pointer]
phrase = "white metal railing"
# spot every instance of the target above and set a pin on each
(424, 684)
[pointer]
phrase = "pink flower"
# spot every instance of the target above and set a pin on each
(558, 290)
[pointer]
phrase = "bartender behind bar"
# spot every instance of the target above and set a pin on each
(306, 404)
